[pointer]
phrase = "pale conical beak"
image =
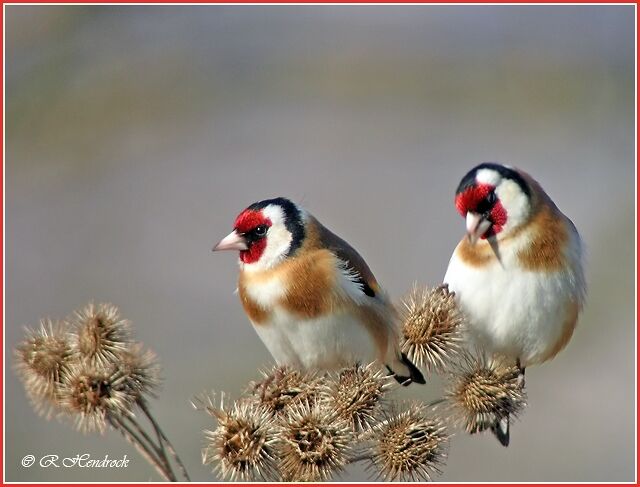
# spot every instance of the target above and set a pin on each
(477, 225)
(233, 241)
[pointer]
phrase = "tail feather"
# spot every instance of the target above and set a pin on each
(403, 367)
(500, 428)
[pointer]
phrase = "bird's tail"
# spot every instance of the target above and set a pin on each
(405, 372)
(500, 425)
(500, 428)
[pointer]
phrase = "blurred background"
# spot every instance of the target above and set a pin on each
(134, 136)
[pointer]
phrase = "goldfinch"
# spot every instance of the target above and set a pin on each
(517, 274)
(310, 296)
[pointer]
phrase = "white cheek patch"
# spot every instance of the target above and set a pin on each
(515, 201)
(278, 240)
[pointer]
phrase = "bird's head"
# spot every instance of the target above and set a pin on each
(265, 233)
(494, 199)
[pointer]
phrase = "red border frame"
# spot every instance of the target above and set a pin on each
(264, 2)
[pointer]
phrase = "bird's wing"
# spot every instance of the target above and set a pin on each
(361, 286)
(356, 268)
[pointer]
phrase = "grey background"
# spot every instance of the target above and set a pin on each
(136, 134)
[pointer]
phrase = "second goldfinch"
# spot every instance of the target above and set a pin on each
(310, 296)
(518, 273)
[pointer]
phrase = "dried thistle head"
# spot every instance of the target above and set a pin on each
(282, 387)
(243, 446)
(92, 373)
(139, 369)
(483, 391)
(90, 395)
(41, 361)
(356, 394)
(409, 445)
(99, 335)
(315, 443)
(431, 327)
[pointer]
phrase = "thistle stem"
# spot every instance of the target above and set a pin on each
(143, 449)
(435, 402)
(159, 449)
(161, 436)
(359, 458)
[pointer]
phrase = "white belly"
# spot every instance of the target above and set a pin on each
(518, 313)
(324, 343)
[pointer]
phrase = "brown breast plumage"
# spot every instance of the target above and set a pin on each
(308, 281)
(546, 235)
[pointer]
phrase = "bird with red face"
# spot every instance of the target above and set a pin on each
(310, 296)
(517, 274)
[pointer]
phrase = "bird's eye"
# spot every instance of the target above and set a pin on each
(486, 204)
(260, 230)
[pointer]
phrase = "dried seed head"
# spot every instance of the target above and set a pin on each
(139, 369)
(88, 373)
(242, 447)
(431, 327)
(315, 443)
(409, 445)
(99, 335)
(356, 394)
(484, 391)
(283, 387)
(41, 361)
(91, 395)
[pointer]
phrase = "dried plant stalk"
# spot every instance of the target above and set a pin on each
(90, 370)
